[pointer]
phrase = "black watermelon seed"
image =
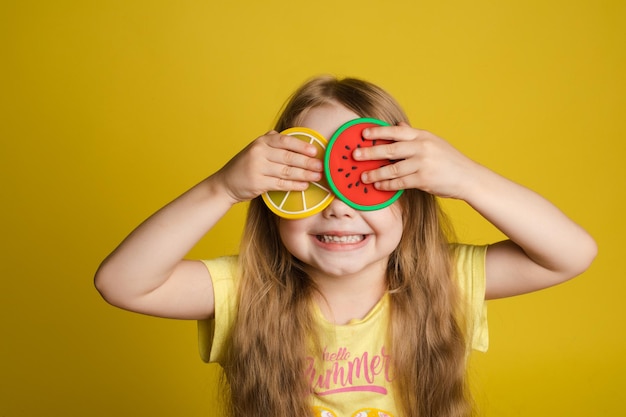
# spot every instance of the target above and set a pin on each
(350, 185)
(358, 183)
(347, 147)
(347, 175)
(344, 157)
(365, 190)
(340, 170)
(353, 168)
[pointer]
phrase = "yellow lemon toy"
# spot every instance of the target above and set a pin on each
(299, 204)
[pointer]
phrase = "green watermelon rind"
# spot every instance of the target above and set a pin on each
(328, 173)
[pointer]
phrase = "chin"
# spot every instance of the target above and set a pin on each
(347, 269)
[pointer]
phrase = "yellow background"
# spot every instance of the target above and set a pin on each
(110, 109)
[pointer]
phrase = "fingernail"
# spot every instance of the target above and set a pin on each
(357, 153)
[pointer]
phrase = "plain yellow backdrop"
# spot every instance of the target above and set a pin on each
(110, 109)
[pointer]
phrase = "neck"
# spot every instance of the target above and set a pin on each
(349, 297)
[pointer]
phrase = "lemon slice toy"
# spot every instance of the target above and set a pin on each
(344, 172)
(299, 204)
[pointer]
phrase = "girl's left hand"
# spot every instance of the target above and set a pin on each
(544, 246)
(425, 161)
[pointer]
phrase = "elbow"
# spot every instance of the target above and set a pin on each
(586, 254)
(104, 282)
(117, 288)
(100, 282)
(578, 259)
(589, 254)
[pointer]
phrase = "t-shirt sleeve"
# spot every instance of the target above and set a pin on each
(212, 333)
(470, 263)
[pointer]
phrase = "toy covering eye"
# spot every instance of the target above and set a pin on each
(344, 172)
(299, 204)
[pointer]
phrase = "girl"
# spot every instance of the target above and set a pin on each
(345, 313)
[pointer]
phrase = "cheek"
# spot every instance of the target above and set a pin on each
(394, 233)
(284, 230)
(291, 233)
(388, 226)
(387, 220)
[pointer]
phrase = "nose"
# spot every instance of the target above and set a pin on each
(338, 209)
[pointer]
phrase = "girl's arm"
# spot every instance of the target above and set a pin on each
(146, 273)
(545, 247)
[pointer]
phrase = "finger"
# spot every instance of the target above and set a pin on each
(377, 152)
(275, 179)
(291, 173)
(392, 171)
(281, 184)
(287, 150)
(399, 132)
(294, 159)
(393, 151)
(293, 144)
(392, 185)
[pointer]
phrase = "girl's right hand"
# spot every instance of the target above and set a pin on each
(272, 162)
(166, 284)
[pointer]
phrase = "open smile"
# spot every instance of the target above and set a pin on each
(343, 239)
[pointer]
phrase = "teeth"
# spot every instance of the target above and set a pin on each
(341, 239)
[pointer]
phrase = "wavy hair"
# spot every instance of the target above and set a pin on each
(275, 326)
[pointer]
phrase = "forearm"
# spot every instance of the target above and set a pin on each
(543, 232)
(149, 255)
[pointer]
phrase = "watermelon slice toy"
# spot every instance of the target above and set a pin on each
(344, 173)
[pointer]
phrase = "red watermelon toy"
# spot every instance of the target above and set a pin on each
(344, 173)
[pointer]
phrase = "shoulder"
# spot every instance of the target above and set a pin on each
(223, 268)
(471, 277)
(469, 259)
(469, 270)
(213, 332)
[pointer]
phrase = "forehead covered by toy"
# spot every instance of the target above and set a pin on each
(342, 174)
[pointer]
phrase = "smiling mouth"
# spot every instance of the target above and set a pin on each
(340, 239)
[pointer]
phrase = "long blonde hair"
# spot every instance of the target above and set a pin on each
(274, 324)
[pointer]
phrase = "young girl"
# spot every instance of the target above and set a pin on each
(345, 313)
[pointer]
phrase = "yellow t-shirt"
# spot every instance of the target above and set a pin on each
(353, 376)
